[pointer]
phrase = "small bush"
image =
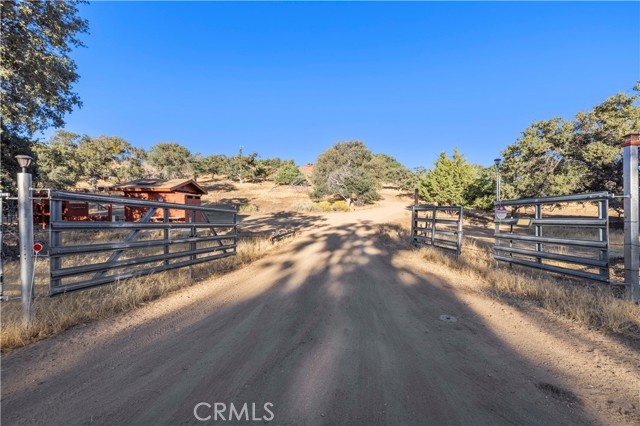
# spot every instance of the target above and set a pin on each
(305, 206)
(288, 174)
(324, 206)
(340, 206)
(248, 208)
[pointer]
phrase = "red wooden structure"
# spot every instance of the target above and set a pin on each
(70, 211)
(178, 191)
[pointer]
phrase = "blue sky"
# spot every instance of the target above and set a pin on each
(291, 79)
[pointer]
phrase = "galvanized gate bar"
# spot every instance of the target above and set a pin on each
(106, 266)
(560, 222)
(110, 199)
(536, 257)
(110, 279)
(591, 196)
(552, 268)
(562, 257)
(559, 241)
(86, 225)
(94, 248)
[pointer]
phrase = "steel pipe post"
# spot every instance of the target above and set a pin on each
(2, 195)
(25, 222)
(538, 229)
(631, 207)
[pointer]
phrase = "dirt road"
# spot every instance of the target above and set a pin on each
(332, 328)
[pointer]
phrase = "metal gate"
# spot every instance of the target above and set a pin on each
(88, 253)
(539, 242)
(438, 226)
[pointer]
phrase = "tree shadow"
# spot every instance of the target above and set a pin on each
(235, 201)
(331, 330)
(221, 186)
(249, 226)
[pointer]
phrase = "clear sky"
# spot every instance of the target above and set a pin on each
(291, 79)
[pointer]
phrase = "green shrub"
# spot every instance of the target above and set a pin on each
(288, 174)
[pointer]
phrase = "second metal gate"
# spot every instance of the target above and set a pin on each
(439, 226)
(535, 241)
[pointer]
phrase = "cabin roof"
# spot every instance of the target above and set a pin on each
(160, 185)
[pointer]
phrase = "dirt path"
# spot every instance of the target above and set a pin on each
(332, 328)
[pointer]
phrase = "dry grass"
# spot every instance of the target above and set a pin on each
(266, 197)
(53, 315)
(591, 304)
(323, 206)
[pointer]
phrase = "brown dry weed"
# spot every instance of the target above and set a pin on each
(52, 315)
(593, 305)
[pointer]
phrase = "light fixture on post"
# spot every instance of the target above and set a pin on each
(497, 162)
(24, 161)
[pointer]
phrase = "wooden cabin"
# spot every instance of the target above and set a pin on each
(179, 191)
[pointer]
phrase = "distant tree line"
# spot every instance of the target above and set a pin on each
(67, 158)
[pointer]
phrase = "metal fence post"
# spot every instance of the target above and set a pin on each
(55, 239)
(459, 231)
(25, 223)
(2, 195)
(603, 234)
(192, 245)
(433, 225)
(235, 232)
(631, 207)
(165, 235)
(413, 223)
(538, 228)
(193, 234)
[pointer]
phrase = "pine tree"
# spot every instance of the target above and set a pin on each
(447, 182)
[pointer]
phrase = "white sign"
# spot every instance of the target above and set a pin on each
(501, 212)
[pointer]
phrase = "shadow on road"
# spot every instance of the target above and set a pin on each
(250, 226)
(331, 330)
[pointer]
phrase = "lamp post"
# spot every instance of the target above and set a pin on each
(497, 162)
(25, 222)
